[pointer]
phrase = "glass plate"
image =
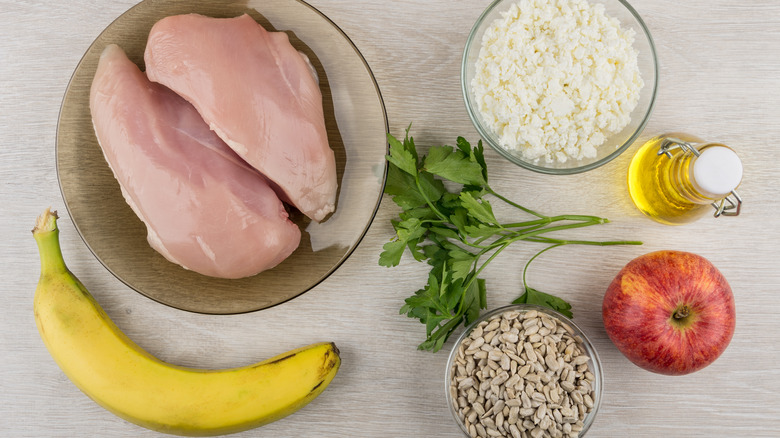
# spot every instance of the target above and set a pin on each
(356, 122)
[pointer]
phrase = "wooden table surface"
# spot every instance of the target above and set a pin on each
(719, 79)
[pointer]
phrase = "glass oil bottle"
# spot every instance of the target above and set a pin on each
(677, 178)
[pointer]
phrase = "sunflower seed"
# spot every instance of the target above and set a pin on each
(472, 416)
(587, 400)
(513, 403)
(525, 399)
(551, 360)
(500, 420)
(554, 396)
(523, 371)
(533, 378)
(558, 417)
(512, 381)
(579, 360)
(466, 383)
(541, 411)
(505, 362)
(498, 407)
(545, 423)
(530, 354)
(526, 412)
(514, 413)
(500, 379)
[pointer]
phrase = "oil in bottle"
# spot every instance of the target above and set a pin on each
(676, 178)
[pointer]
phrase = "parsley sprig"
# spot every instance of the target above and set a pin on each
(457, 234)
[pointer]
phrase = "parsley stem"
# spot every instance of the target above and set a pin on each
(557, 242)
(513, 204)
(566, 217)
(533, 233)
(447, 328)
(544, 239)
(525, 269)
(538, 227)
(543, 221)
(479, 270)
(479, 241)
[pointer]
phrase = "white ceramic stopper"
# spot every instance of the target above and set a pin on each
(718, 170)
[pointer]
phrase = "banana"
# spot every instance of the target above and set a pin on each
(128, 381)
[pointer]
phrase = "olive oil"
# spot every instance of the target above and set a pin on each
(662, 177)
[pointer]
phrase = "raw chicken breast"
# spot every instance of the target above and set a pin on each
(257, 93)
(204, 208)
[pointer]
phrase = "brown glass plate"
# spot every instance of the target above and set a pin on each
(357, 126)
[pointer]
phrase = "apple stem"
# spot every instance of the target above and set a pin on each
(682, 312)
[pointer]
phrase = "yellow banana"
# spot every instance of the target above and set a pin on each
(128, 381)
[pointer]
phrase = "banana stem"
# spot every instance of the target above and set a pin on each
(46, 235)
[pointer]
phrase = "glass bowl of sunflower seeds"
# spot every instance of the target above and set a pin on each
(523, 371)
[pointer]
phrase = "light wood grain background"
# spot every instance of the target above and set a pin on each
(719, 79)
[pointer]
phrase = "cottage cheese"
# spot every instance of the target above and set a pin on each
(554, 78)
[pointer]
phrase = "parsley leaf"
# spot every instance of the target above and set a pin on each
(455, 165)
(478, 208)
(402, 187)
(533, 296)
(391, 256)
(403, 155)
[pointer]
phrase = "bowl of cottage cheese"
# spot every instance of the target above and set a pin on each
(559, 86)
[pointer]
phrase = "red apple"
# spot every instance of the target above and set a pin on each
(670, 312)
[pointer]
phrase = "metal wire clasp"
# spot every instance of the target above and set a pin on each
(731, 205)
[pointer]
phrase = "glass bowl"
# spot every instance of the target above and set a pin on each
(614, 144)
(575, 333)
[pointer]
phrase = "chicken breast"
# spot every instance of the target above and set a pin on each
(204, 208)
(257, 93)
